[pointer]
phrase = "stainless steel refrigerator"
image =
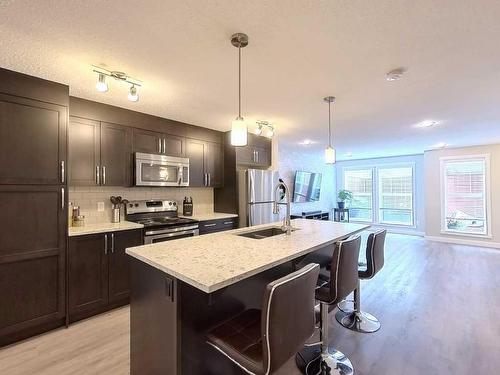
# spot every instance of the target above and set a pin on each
(256, 196)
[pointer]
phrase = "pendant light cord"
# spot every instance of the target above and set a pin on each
(239, 81)
(329, 124)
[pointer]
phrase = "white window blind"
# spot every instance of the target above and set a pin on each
(360, 183)
(464, 198)
(395, 200)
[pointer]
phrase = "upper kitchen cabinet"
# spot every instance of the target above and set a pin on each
(206, 163)
(99, 153)
(32, 141)
(158, 143)
(257, 153)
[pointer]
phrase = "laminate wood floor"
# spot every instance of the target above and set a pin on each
(439, 305)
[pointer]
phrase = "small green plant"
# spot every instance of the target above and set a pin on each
(344, 195)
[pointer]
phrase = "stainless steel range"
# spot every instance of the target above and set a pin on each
(161, 221)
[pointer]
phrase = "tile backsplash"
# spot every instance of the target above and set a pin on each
(87, 198)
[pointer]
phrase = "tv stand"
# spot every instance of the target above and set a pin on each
(315, 215)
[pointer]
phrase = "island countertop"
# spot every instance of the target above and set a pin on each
(214, 261)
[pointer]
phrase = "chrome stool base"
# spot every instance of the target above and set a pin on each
(332, 362)
(346, 305)
(358, 321)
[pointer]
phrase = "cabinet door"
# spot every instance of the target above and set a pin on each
(195, 151)
(174, 145)
(116, 155)
(263, 156)
(83, 151)
(215, 164)
(32, 141)
(88, 274)
(245, 155)
(119, 263)
(32, 259)
(147, 141)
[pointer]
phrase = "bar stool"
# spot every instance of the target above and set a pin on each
(261, 341)
(342, 281)
(358, 320)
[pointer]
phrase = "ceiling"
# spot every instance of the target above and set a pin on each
(299, 52)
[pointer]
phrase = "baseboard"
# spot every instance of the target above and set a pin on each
(461, 241)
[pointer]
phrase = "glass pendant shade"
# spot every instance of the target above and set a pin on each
(330, 156)
(133, 96)
(101, 84)
(239, 132)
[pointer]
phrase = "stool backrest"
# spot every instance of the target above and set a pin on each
(375, 253)
(288, 317)
(344, 268)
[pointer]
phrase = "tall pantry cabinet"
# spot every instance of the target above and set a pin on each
(33, 205)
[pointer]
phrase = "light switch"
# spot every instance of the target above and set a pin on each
(100, 206)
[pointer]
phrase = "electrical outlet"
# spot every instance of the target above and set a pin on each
(100, 206)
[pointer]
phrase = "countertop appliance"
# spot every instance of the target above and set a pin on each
(187, 206)
(161, 221)
(256, 196)
(161, 170)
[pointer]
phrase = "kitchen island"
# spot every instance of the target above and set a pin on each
(182, 288)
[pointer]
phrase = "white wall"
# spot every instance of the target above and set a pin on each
(433, 193)
(293, 158)
(418, 162)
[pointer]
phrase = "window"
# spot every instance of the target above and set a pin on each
(360, 183)
(464, 195)
(395, 199)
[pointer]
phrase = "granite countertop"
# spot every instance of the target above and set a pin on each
(102, 228)
(211, 216)
(214, 261)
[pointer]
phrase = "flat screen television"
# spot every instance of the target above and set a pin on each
(307, 187)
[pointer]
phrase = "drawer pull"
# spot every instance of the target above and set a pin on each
(228, 222)
(209, 225)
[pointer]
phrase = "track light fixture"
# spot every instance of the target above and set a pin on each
(102, 86)
(264, 128)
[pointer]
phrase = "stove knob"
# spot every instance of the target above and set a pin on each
(137, 205)
(169, 203)
(175, 204)
(131, 205)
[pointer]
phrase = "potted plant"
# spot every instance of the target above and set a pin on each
(343, 196)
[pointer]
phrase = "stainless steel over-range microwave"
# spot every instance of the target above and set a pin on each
(161, 170)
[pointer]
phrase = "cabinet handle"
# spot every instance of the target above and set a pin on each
(62, 171)
(209, 179)
(209, 225)
(205, 179)
(112, 242)
(159, 145)
(105, 244)
(97, 176)
(257, 153)
(228, 222)
(62, 199)
(164, 146)
(254, 156)
(103, 175)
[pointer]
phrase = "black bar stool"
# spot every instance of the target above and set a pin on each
(261, 341)
(342, 281)
(358, 320)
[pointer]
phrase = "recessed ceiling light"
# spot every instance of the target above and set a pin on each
(440, 145)
(427, 124)
(306, 142)
(395, 74)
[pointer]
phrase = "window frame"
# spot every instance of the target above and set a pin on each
(486, 198)
(413, 194)
(374, 213)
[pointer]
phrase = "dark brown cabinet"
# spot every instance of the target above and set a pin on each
(32, 141)
(158, 143)
(257, 153)
(219, 225)
(99, 153)
(99, 272)
(206, 163)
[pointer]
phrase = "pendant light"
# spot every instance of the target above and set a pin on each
(330, 157)
(239, 130)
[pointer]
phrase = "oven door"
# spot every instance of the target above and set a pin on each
(155, 236)
(160, 170)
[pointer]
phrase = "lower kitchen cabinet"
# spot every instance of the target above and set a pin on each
(219, 225)
(99, 272)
